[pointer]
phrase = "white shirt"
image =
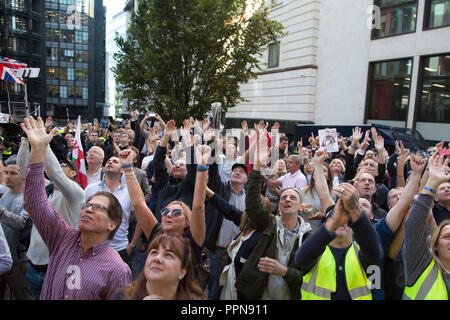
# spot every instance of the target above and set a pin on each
(96, 177)
(293, 180)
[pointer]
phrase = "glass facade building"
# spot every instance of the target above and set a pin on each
(66, 40)
(75, 58)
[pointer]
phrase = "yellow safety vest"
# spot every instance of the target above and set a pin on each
(429, 286)
(320, 282)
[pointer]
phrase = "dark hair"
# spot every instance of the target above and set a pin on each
(284, 138)
(71, 165)
(136, 151)
(114, 209)
(188, 289)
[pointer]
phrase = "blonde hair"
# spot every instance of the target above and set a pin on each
(433, 243)
(340, 162)
(186, 211)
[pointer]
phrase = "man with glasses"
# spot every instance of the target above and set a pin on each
(94, 159)
(82, 264)
(65, 195)
(112, 182)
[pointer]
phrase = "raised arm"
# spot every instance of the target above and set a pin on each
(321, 182)
(397, 213)
(50, 225)
(197, 227)
(144, 215)
(416, 252)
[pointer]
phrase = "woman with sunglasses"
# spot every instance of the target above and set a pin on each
(176, 217)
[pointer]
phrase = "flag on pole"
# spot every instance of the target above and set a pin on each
(9, 74)
(8, 68)
(11, 63)
(78, 156)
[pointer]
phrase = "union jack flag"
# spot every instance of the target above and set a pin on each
(8, 69)
(11, 63)
(9, 74)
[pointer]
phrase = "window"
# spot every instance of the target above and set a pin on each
(67, 55)
(437, 14)
(63, 92)
(389, 89)
(17, 44)
(85, 93)
(52, 73)
(81, 74)
(81, 56)
(70, 74)
(274, 55)
(67, 36)
(71, 92)
(52, 91)
(434, 89)
(397, 17)
(63, 73)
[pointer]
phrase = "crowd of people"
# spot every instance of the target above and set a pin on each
(193, 211)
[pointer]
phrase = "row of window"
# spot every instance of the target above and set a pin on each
(390, 87)
(67, 36)
(67, 55)
(400, 16)
(67, 92)
(66, 17)
(54, 73)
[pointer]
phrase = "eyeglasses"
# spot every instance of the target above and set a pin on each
(95, 207)
(174, 213)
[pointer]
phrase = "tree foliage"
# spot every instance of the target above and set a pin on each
(180, 56)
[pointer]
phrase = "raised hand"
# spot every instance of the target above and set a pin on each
(170, 127)
(379, 143)
(349, 196)
(439, 172)
(417, 164)
(202, 154)
(36, 134)
(356, 135)
(319, 158)
(339, 218)
(126, 157)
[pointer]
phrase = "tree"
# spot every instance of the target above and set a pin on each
(180, 56)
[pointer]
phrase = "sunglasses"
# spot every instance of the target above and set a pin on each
(95, 207)
(174, 213)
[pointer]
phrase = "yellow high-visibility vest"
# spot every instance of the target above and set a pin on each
(320, 282)
(429, 286)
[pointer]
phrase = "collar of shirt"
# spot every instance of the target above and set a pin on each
(94, 250)
(103, 185)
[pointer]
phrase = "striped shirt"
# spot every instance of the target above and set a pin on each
(71, 274)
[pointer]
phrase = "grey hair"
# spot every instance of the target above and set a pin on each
(296, 158)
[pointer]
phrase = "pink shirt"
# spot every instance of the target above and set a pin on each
(293, 180)
(71, 274)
